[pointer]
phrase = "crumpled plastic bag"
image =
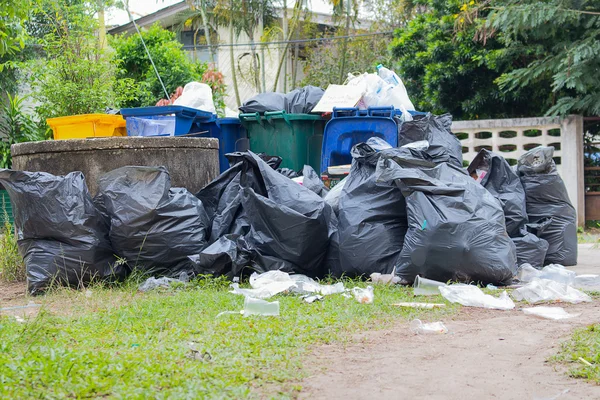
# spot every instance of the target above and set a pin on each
(298, 101)
(497, 176)
(333, 196)
(154, 227)
(553, 272)
(554, 313)
(197, 95)
(270, 283)
(62, 237)
(444, 146)
(456, 229)
(547, 196)
(472, 296)
(312, 181)
(164, 282)
(540, 290)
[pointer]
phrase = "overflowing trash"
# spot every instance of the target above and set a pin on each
(472, 296)
(443, 145)
(299, 101)
(456, 227)
(153, 226)
(546, 197)
(62, 237)
(495, 174)
(419, 327)
(555, 313)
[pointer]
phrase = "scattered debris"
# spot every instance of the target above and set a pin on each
(420, 305)
(426, 287)
(555, 313)
(164, 282)
(30, 305)
(364, 296)
(312, 298)
(472, 296)
(254, 306)
(540, 290)
(418, 327)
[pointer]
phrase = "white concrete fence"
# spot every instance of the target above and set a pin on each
(513, 137)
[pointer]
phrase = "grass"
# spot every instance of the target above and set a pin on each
(582, 354)
(12, 267)
(124, 344)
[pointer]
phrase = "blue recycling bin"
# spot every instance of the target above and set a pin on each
(350, 126)
(231, 134)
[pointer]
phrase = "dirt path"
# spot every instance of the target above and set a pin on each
(487, 355)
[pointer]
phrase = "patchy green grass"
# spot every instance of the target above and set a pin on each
(582, 353)
(12, 267)
(123, 344)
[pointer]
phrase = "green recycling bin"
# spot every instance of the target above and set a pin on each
(296, 138)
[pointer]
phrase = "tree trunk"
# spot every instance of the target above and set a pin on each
(345, 46)
(233, 74)
(285, 35)
(283, 58)
(206, 27)
(101, 25)
(254, 63)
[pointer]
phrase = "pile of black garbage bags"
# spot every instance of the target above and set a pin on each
(411, 210)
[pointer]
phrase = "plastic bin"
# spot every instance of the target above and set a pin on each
(349, 126)
(231, 134)
(87, 126)
(296, 138)
(186, 120)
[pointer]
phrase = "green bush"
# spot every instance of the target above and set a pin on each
(174, 67)
(12, 267)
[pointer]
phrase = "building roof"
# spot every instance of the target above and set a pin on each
(168, 16)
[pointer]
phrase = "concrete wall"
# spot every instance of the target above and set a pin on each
(191, 162)
(565, 134)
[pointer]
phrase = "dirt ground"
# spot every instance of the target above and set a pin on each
(487, 354)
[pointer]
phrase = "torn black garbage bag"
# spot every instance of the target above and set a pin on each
(152, 226)
(62, 237)
(372, 217)
(456, 227)
(530, 248)
(546, 196)
(496, 175)
(285, 225)
(435, 129)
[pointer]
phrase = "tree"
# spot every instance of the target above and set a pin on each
(76, 76)
(13, 14)
(169, 57)
(446, 70)
(568, 30)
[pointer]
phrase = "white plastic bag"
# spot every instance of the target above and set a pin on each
(472, 296)
(539, 290)
(527, 273)
(558, 273)
(364, 296)
(547, 290)
(396, 93)
(197, 95)
(587, 282)
(555, 313)
(418, 327)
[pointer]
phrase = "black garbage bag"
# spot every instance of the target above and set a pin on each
(298, 101)
(284, 225)
(371, 217)
(530, 248)
(496, 175)
(303, 100)
(456, 228)
(546, 196)
(61, 235)
(153, 226)
(227, 256)
(435, 129)
(312, 181)
(273, 161)
(263, 102)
